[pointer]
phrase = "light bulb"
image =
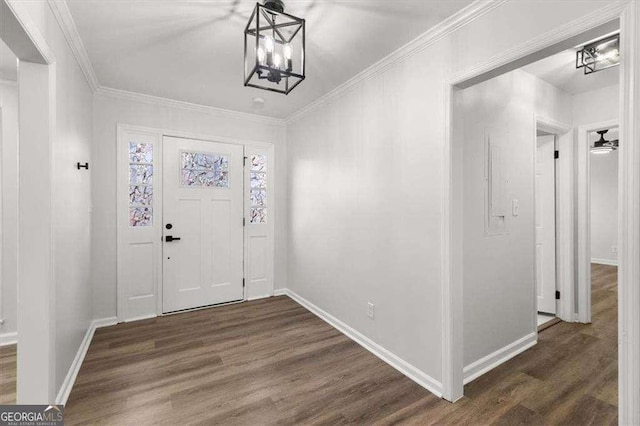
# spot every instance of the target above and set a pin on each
(260, 55)
(268, 43)
(287, 51)
(276, 60)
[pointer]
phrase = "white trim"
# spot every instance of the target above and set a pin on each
(172, 103)
(264, 296)
(280, 292)
(412, 372)
(105, 322)
(74, 369)
(8, 82)
(604, 261)
(564, 181)
(451, 248)
(502, 355)
(32, 31)
(583, 214)
(143, 317)
(629, 219)
(7, 339)
(65, 20)
(456, 21)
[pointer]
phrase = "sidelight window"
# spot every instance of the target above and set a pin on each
(140, 184)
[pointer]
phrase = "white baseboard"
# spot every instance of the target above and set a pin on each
(280, 292)
(105, 322)
(7, 339)
(70, 379)
(502, 355)
(604, 262)
(418, 376)
(258, 297)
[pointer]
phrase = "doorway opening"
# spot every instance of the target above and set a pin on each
(547, 293)
(505, 226)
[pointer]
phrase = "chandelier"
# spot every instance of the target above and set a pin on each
(274, 44)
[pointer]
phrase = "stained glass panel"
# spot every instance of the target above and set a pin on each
(140, 216)
(258, 163)
(205, 178)
(258, 180)
(258, 215)
(200, 169)
(258, 197)
(141, 195)
(140, 152)
(140, 175)
(201, 161)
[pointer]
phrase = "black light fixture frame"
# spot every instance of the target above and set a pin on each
(586, 57)
(269, 14)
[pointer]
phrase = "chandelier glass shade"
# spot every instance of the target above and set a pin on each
(599, 55)
(274, 45)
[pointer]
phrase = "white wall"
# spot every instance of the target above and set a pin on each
(604, 207)
(593, 107)
(365, 185)
(71, 195)
(9, 191)
(498, 276)
(596, 106)
(108, 112)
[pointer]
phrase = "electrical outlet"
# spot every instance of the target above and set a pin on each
(614, 249)
(370, 311)
(515, 207)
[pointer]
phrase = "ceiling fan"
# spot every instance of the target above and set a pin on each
(603, 146)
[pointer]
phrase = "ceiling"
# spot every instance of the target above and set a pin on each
(8, 63)
(560, 70)
(193, 50)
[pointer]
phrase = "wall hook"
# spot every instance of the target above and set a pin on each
(83, 166)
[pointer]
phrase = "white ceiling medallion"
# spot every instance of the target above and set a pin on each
(274, 44)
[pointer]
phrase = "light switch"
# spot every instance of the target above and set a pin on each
(515, 207)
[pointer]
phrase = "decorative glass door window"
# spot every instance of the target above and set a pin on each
(258, 189)
(201, 169)
(140, 184)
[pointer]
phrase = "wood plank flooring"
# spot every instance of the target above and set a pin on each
(272, 361)
(8, 374)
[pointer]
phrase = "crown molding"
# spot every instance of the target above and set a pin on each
(65, 20)
(172, 103)
(456, 21)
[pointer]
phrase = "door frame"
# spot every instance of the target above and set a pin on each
(583, 189)
(160, 133)
(561, 38)
(564, 172)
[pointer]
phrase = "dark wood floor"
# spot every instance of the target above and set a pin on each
(272, 361)
(8, 374)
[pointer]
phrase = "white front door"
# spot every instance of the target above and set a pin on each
(202, 223)
(546, 225)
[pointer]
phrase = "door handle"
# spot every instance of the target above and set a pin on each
(170, 238)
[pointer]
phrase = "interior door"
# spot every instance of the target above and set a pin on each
(202, 223)
(546, 224)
